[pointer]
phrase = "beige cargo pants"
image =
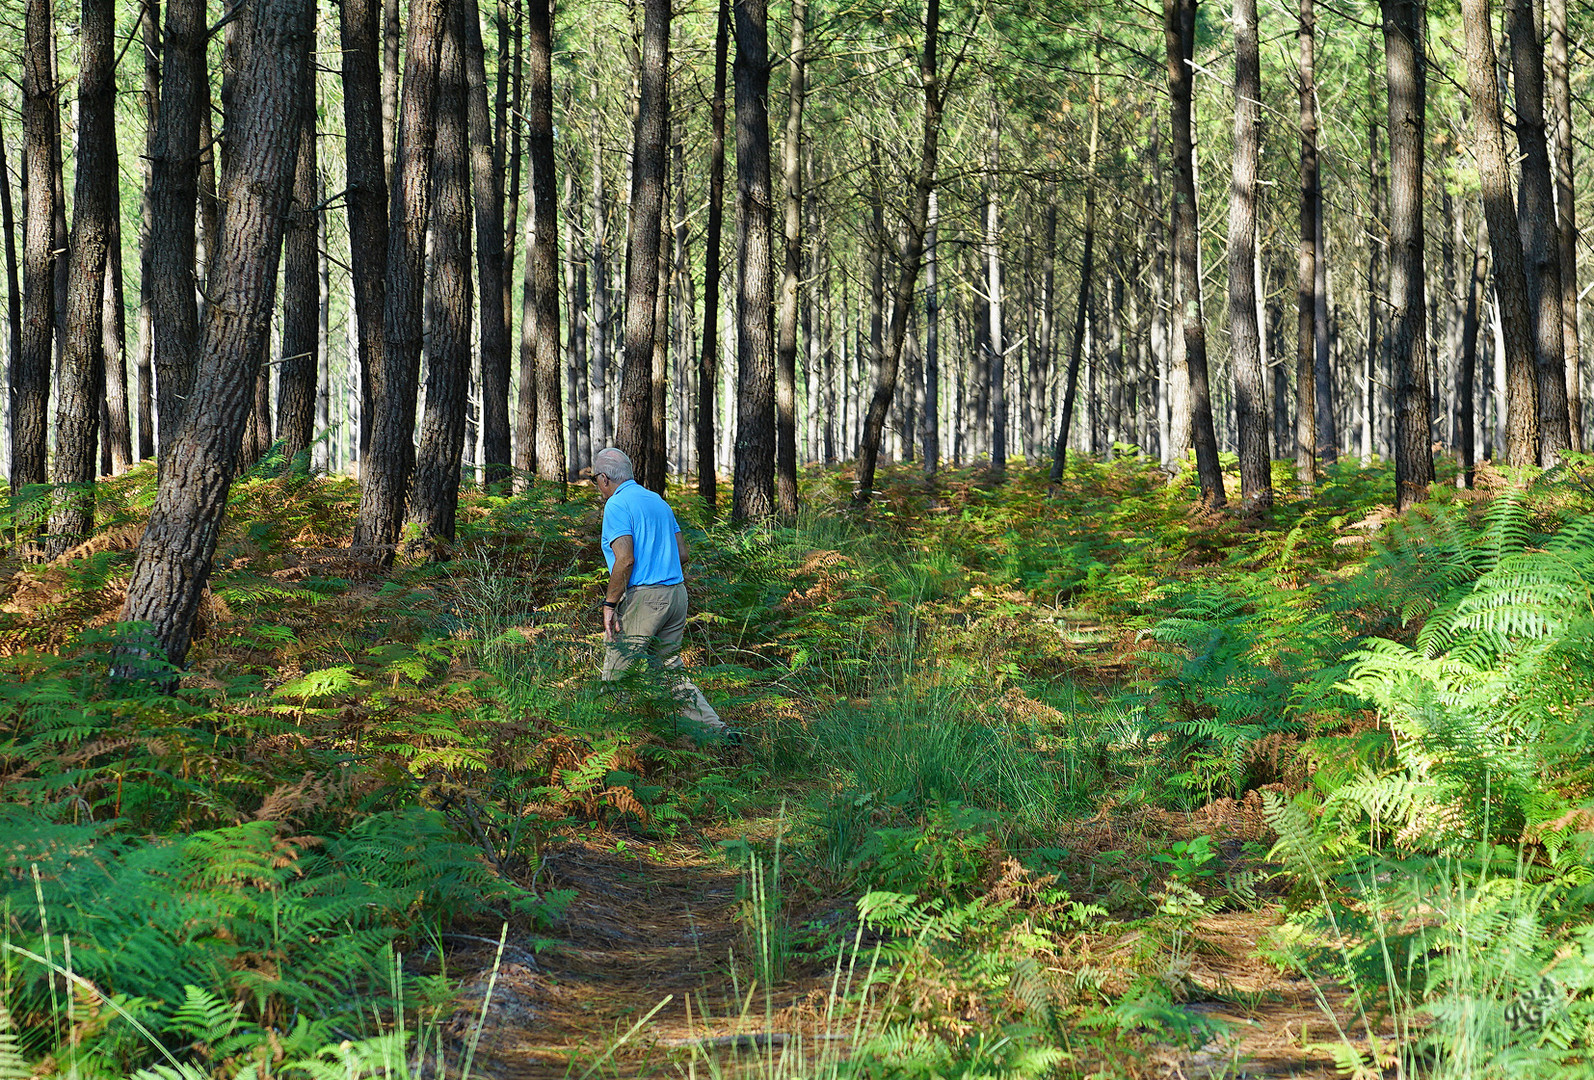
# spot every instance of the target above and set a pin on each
(652, 623)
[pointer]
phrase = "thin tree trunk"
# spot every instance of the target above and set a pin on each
(77, 416)
(753, 488)
(1522, 390)
(1179, 33)
(993, 289)
(655, 476)
(366, 197)
(543, 253)
(30, 366)
(434, 497)
(1245, 332)
(486, 154)
(117, 435)
(174, 555)
(1540, 244)
(707, 479)
(598, 378)
(390, 460)
(1405, 68)
(1306, 268)
(786, 365)
(390, 83)
(912, 254)
(301, 300)
(1566, 216)
(932, 344)
(648, 167)
(149, 24)
(1465, 409)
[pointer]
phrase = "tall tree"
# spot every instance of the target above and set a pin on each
(753, 488)
(77, 417)
(174, 193)
(301, 289)
(707, 481)
(543, 252)
(487, 197)
(932, 343)
(1566, 215)
(1306, 260)
(385, 473)
(993, 294)
(792, 271)
(918, 216)
(175, 552)
(1179, 35)
(1522, 389)
(30, 368)
(648, 166)
(1245, 332)
(1405, 67)
(434, 496)
(1065, 414)
(366, 196)
(1540, 245)
(144, 362)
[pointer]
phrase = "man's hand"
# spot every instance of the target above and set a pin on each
(611, 623)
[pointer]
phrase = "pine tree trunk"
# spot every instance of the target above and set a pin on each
(649, 164)
(598, 365)
(174, 556)
(707, 479)
(30, 368)
(655, 475)
(1406, 73)
(543, 252)
(434, 496)
(1179, 33)
(13, 289)
(385, 472)
(786, 365)
(77, 416)
(1540, 245)
(1245, 331)
(1522, 390)
(487, 187)
(301, 299)
(116, 436)
(1065, 414)
(912, 254)
(1465, 409)
(1306, 266)
(366, 196)
(1566, 216)
(932, 344)
(144, 362)
(993, 297)
(753, 489)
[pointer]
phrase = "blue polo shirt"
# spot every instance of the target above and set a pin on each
(647, 519)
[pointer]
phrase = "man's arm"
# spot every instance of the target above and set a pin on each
(619, 578)
(685, 552)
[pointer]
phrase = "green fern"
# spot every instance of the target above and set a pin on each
(12, 1064)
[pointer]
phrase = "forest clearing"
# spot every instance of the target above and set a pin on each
(1036, 781)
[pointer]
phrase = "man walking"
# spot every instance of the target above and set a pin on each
(644, 607)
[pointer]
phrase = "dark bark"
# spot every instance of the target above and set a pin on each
(391, 40)
(634, 426)
(653, 476)
(708, 359)
(116, 433)
(144, 362)
(366, 196)
(175, 553)
(77, 414)
(30, 368)
(1405, 67)
(385, 472)
(1536, 218)
(1245, 331)
(753, 489)
(1306, 259)
(932, 344)
(1467, 375)
(301, 289)
(174, 194)
(434, 495)
(912, 253)
(1566, 216)
(543, 253)
(13, 288)
(1522, 391)
(792, 272)
(487, 188)
(1179, 34)
(1065, 414)
(600, 337)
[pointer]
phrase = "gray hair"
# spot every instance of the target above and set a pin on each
(614, 464)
